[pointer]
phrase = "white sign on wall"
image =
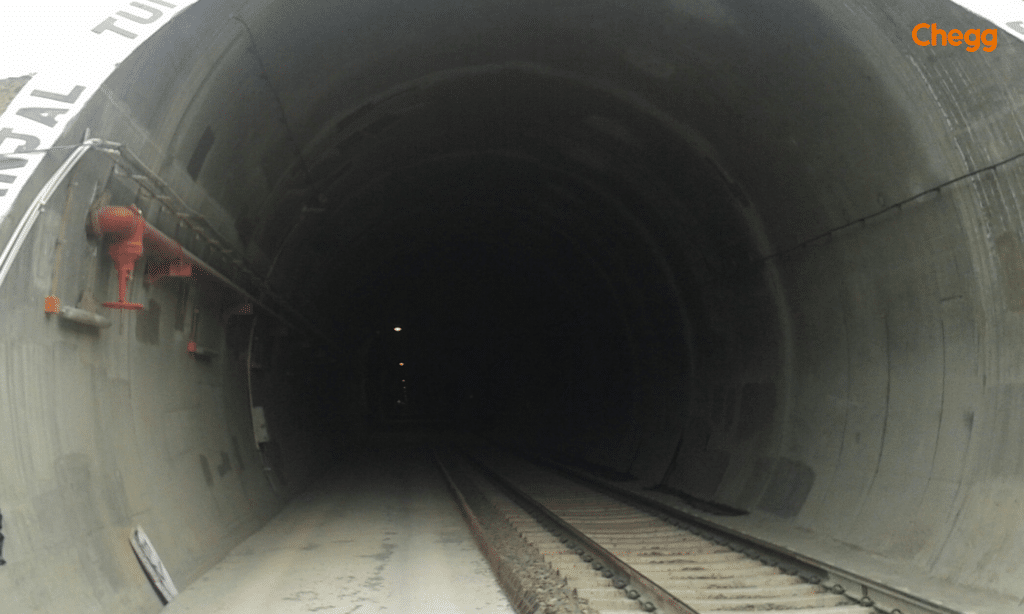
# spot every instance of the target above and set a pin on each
(152, 564)
(89, 52)
(1007, 14)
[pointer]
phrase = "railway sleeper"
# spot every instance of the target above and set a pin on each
(772, 604)
(663, 548)
(668, 539)
(724, 558)
(704, 555)
(656, 528)
(598, 504)
(709, 576)
(740, 565)
(700, 573)
(579, 575)
(746, 592)
(853, 609)
(672, 584)
(599, 519)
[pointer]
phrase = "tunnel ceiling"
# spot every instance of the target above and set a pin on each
(640, 165)
(630, 167)
(646, 120)
(511, 159)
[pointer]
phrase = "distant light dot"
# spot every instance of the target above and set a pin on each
(401, 364)
(398, 329)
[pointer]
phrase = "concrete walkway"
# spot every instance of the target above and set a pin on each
(379, 535)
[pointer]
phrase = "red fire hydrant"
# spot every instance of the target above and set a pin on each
(133, 233)
(126, 250)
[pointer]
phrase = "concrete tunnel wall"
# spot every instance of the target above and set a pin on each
(783, 239)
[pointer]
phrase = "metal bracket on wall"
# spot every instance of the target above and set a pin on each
(196, 350)
(131, 167)
(151, 183)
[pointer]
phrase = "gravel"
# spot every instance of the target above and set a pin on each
(530, 583)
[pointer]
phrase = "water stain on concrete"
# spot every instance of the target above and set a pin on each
(225, 464)
(788, 488)
(301, 596)
(147, 324)
(207, 473)
(376, 579)
(384, 555)
(354, 544)
(238, 453)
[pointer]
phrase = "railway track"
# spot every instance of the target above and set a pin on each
(623, 558)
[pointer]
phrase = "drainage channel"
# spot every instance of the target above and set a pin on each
(620, 557)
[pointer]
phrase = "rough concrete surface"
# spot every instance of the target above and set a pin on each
(9, 88)
(383, 535)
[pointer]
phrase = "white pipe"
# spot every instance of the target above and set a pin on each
(84, 317)
(32, 214)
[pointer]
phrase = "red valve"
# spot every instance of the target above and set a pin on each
(179, 267)
(133, 231)
(126, 251)
(192, 346)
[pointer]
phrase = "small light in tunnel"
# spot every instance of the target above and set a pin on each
(401, 364)
(398, 329)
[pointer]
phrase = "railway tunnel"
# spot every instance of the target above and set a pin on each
(766, 255)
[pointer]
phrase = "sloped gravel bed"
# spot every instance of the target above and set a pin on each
(530, 583)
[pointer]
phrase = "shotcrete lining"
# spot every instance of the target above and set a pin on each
(638, 162)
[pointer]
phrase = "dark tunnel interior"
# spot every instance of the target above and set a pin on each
(511, 254)
(530, 245)
(503, 305)
(763, 254)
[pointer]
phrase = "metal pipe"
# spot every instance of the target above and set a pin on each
(84, 317)
(136, 232)
(122, 220)
(162, 242)
(149, 181)
(128, 221)
(648, 590)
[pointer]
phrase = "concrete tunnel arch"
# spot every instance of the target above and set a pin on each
(767, 254)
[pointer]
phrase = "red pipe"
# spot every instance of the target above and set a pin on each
(135, 237)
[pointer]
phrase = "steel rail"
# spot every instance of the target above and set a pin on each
(651, 595)
(762, 549)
